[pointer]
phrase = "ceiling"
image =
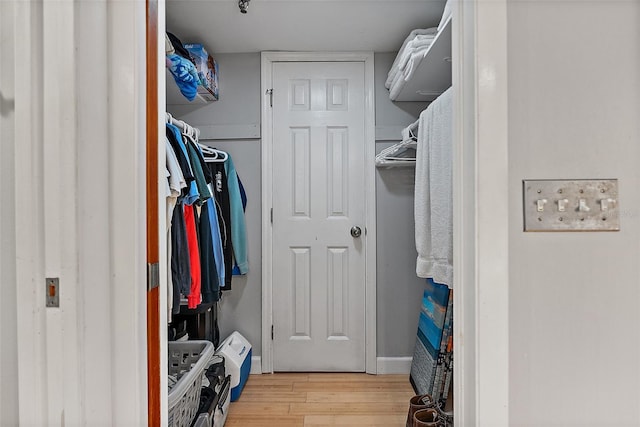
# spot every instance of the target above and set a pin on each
(300, 25)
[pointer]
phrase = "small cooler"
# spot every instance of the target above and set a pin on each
(237, 354)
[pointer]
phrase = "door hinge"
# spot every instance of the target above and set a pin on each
(153, 276)
(272, 332)
(270, 93)
(271, 216)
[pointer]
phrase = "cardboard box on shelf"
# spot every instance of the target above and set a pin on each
(207, 69)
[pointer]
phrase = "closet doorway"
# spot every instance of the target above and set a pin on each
(318, 242)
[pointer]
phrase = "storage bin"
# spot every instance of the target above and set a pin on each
(187, 360)
(237, 355)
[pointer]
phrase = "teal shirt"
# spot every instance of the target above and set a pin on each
(198, 173)
(238, 227)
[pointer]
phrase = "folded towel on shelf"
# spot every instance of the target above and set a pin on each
(396, 86)
(419, 47)
(433, 203)
(412, 35)
(405, 75)
(412, 64)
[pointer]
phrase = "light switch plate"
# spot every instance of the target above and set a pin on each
(52, 291)
(571, 205)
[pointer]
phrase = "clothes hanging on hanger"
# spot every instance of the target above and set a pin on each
(175, 136)
(202, 214)
(180, 266)
(216, 246)
(193, 298)
(238, 227)
(176, 183)
(221, 195)
(200, 178)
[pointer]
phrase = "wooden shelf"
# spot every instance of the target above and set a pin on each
(433, 74)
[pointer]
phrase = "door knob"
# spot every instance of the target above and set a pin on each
(356, 231)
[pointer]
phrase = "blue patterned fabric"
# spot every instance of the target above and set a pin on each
(185, 75)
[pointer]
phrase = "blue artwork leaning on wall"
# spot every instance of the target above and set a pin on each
(434, 331)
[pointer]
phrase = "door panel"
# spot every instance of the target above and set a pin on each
(318, 195)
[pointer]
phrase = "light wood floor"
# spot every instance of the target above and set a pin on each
(322, 399)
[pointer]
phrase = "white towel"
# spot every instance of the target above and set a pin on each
(403, 76)
(396, 86)
(419, 44)
(419, 47)
(412, 35)
(433, 203)
(413, 63)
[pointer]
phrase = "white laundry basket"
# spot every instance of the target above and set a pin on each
(187, 360)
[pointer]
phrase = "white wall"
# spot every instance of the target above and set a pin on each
(241, 308)
(73, 207)
(574, 98)
(8, 306)
(399, 290)
(239, 104)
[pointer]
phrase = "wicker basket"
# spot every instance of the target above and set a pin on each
(187, 359)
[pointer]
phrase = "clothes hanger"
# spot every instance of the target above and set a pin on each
(206, 150)
(402, 153)
(211, 154)
(219, 156)
(187, 130)
(193, 134)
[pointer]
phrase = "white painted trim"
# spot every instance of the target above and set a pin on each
(394, 365)
(217, 132)
(267, 60)
(371, 302)
(126, 30)
(266, 74)
(256, 365)
(481, 266)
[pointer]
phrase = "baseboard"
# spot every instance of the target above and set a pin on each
(394, 365)
(256, 365)
(385, 365)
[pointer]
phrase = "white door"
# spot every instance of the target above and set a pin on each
(318, 197)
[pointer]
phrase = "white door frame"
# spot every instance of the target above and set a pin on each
(267, 60)
(481, 213)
